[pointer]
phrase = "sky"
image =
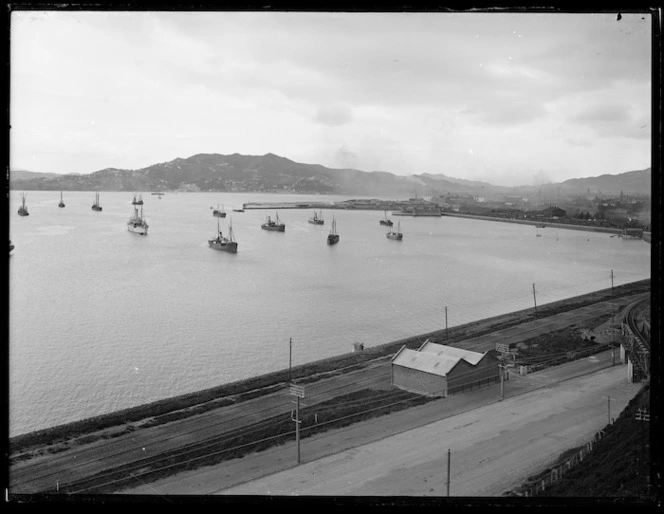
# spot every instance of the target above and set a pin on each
(507, 98)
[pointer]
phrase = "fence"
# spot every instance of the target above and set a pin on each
(540, 484)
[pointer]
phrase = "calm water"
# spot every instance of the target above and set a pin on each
(102, 319)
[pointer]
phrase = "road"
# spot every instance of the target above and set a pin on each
(228, 477)
(493, 448)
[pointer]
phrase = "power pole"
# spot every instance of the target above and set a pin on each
(448, 471)
(535, 299)
(298, 392)
(447, 335)
(290, 359)
(608, 398)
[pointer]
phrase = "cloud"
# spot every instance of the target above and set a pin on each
(616, 113)
(334, 115)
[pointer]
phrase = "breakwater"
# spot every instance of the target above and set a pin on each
(548, 224)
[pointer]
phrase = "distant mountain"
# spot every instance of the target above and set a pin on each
(631, 182)
(27, 175)
(272, 173)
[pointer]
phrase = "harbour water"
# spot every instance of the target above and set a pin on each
(101, 319)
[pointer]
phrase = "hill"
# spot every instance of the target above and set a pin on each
(272, 173)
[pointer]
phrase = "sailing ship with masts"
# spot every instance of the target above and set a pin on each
(225, 244)
(23, 209)
(137, 222)
(219, 213)
(398, 236)
(333, 237)
(96, 206)
(317, 219)
(274, 225)
(386, 221)
(62, 203)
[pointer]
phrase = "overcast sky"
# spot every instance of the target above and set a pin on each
(508, 98)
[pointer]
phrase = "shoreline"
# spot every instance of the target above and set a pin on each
(263, 384)
(548, 224)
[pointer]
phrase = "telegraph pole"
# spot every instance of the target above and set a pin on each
(298, 392)
(448, 471)
(447, 335)
(535, 299)
(290, 359)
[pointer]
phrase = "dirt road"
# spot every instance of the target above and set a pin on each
(493, 448)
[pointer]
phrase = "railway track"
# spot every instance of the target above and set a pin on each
(639, 342)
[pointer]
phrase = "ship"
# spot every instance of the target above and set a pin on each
(137, 222)
(333, 237)
(316, 219)
(219, 213)
(137, 201)
(386, 221)
(96, 206)
(241, 209)
(225, 244)
(275, 225)
(23, 210)
(62, 203)
(395, 235)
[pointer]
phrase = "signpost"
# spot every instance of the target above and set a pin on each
(298, 392)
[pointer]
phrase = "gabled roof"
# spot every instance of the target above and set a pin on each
(450, 351)
(426, 362)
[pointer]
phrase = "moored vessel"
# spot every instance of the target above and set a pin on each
(317, 219)
(274, 225)
(225, 244)
(137, 222)
(398, 236)
(23, 209)
(333, 237)
(96, 206)
(62, 203)
(386, 221)
(219, 213)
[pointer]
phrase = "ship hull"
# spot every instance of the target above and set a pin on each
(219, 214)
(23, 213)
(396, 237)
(140, 229)
(332, 240)
(317, 222)
(223, 247)
(280, 228)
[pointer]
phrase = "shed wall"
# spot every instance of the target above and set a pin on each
(418, 381)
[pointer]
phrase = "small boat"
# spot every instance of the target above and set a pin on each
(275, 225)
(137, 222)
(225, 244)
(386, 221)
(157, 194)
(96, 206)
(62, 203)
(23, 210)
(219, 213)
(333, 237)
(238, 210)
(316, 219)
(398, 236)
(11, 246)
